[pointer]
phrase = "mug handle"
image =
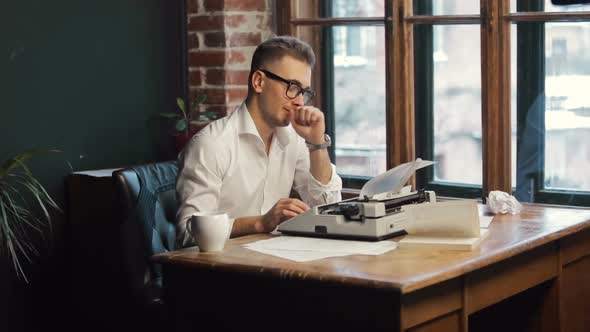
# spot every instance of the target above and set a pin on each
(230, 225)
(188, 226)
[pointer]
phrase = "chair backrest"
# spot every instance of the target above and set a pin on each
(147, 203)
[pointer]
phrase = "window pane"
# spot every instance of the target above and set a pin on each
(340, 8)
(446, 7)
(457, 104)
(535, 6)
(358, 8)
(567, 113)
(359, 99)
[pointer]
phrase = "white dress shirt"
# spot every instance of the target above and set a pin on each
(225, 168)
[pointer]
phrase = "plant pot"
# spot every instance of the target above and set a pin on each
(180, 140)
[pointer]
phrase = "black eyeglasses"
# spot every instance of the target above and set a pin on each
(294, 89)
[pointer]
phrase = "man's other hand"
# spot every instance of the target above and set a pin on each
(284, 209)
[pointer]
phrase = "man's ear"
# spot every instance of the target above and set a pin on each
(257, 81)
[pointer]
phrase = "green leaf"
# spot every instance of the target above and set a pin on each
(170, 115)
(3, 235)
(38, 197)
(14, 162)
(181, 104)
(20, 159)
(181, 125)
(200, 99)
(45, 195)
(17, 189)
(15, 238)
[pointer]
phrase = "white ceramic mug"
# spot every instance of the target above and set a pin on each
(210, 230)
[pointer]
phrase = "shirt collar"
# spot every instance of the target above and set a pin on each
(246, 126)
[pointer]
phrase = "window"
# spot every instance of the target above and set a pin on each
(553, 108)
(448, 95)
(493, 91)
(358, 106)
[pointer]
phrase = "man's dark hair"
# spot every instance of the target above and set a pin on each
(276, 48)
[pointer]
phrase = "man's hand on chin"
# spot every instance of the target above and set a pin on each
(308, 122)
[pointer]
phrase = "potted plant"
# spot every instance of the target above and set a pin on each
(20, 191)
(190, 121)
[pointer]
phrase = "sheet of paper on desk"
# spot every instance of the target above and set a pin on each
(484, 221)
(299, 256)
(303, 249)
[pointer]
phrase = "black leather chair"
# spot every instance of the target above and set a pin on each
(147, 205)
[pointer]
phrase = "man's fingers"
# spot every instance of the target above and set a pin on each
(295, 208)
(289, 214)
(308, 117)
(294, 118)
(299, 203)
(315, 117)
(291, 207)
(302, 114)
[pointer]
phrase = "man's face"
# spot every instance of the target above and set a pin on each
(275, 105)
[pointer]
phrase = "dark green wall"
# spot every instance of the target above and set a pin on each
(88, 78)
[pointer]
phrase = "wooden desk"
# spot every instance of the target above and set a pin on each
(532, 273)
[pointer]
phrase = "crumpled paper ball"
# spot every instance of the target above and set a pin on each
(500, 202)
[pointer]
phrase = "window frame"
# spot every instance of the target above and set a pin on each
(531, 75)
(424, 88)
(495, 20)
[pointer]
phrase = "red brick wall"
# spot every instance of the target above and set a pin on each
(222, 36)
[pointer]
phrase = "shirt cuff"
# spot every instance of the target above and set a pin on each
(335, 182)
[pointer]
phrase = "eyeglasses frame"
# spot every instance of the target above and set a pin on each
(302, 90)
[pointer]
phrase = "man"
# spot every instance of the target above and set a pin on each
(246, 163)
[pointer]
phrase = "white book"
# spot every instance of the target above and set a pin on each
(437, 242)
(452, 225)
(446, 219)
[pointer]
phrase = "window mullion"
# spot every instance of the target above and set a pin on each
(284, 12)
(400, 80)
(327, 77)
(495, 75)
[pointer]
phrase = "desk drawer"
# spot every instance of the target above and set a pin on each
(575, 246)
(432, 302)
(502, 280)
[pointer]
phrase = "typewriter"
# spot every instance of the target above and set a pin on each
(372, 219)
